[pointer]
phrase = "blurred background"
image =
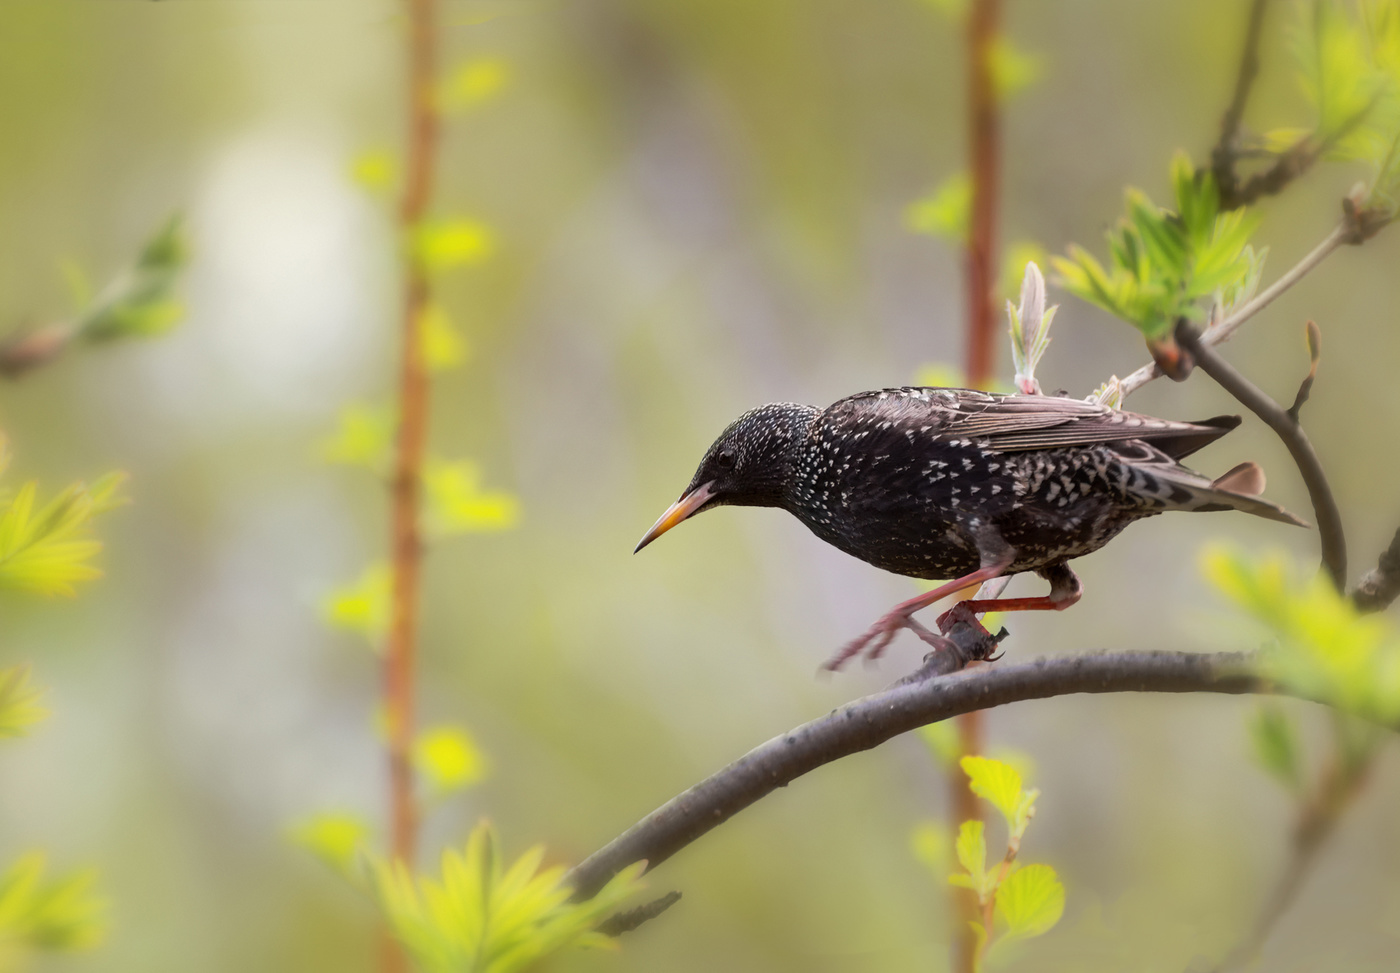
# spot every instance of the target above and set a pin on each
(699, 208)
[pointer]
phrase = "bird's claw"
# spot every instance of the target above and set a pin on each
(959, 613)
(876, 639)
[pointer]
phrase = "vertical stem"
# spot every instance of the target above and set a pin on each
(984, 145)
(405, 541)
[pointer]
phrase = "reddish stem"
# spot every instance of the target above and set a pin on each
(984, 143)
(406, 542)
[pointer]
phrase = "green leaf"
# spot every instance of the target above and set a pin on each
(1324, 648)
(1030, 901)
(443, 347)
(364, 437)
(488, 918)
(376, 170)
(1000, 785)
(1012, 69)
(449, 759)
(447, 244)
(971, 848)
(1276, 745)
(50, 550)
(60, 915)
(932, 845)
(363, 606)
(942, 738)
(337, 838)
(473, 83)
(457, 503)
(140, 302)
(944, 212)
(19, 702)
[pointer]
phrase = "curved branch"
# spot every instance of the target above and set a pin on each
(1329, 518)
(868, 722)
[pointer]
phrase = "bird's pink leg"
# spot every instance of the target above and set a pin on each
(879, 635)
(1065, 590)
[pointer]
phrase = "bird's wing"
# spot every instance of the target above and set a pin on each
(1017, 423)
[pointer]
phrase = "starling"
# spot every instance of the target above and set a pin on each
(954, 483)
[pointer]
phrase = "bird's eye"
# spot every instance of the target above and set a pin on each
(725, 460)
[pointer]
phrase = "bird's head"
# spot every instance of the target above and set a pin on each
(751, 464)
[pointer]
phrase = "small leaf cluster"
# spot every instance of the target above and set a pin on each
(482, 916)
(1018, 901)
(38, 914)
(47, 548)
(140, 302)
(1164, 264)
(1321, 646)
(1349, 71)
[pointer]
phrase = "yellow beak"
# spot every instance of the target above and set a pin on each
(677, 512)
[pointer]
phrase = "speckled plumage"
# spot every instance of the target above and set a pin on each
(942, 483)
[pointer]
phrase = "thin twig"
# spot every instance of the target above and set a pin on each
(1226, 153)
(629, 919)
(866, 723)
(406, 541)
(1329, 518)
(1338, 786)
(1214, 335)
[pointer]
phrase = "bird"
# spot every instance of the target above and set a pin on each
(938, 483)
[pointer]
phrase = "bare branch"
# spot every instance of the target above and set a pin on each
(1329, 518)
(1380, 586)
(1227, 150)
(868, 722)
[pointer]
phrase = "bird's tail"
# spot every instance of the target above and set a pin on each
(1238, 489)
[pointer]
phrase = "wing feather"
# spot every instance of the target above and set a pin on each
(1018, 423)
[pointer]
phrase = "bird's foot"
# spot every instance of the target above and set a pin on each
(872, 644)
(965, 642)
(961, 612)
(878, 637)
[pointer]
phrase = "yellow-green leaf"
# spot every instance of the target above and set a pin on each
(458, 504)
(61, 914)
(474, 82)
(19, 702)
(945, 211)
(1012, 69)
(49, 550)
(942, 741)
(363, 606)
(443, 347)
(1030, 901)
(971, 848)
(482, 915)
(375, 170)
(336, 838)
(363, 437)
(449, 759)
(995, 782)
(447, 244)
(1276, 745)
(931, 844)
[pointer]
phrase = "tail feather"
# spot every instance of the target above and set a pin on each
(1247, 478)
(1235, 490)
